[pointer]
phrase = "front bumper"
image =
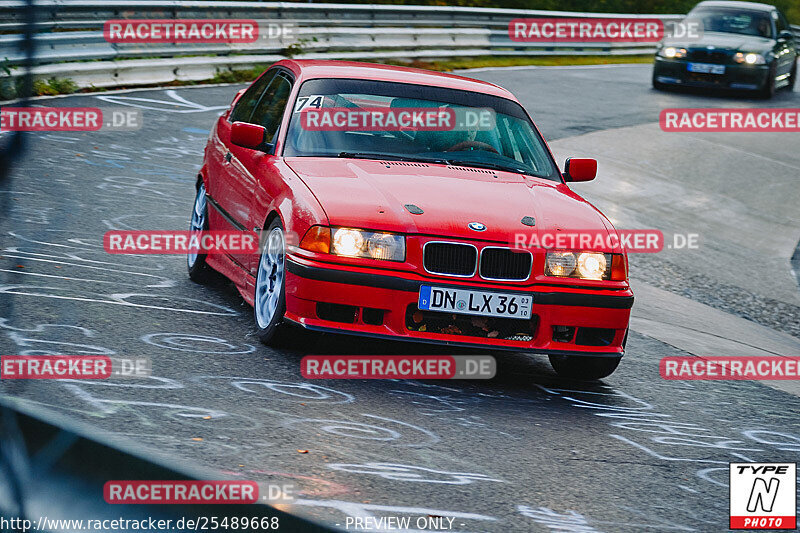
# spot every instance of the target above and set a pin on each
(740, 77)
(566, 320)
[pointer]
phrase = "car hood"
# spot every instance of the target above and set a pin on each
(372, 194)
(724, 41)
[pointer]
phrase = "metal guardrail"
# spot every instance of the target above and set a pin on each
(70, 42)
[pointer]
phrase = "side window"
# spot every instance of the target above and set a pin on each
(781, 22)
(247, 102)
(269, 111)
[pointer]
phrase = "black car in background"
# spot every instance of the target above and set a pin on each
(743, 45)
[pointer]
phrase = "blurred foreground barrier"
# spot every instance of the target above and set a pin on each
(53, 471)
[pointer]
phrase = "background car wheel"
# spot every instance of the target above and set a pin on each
(657, 85)
(584, 367)
(269, 300)
(792, 78)
(768, 91)
(199, 271)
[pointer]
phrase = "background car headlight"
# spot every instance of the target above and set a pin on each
(672, 52)
(373, 245)
(749, 58)
(586, 265)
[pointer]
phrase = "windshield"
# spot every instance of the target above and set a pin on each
(756, 23)
(384, 120)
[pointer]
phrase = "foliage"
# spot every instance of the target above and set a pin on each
(790, 8)
(239, 75)
(54, 86)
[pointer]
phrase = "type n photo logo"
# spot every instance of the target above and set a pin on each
(763, 495)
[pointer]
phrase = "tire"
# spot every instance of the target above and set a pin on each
(585, 368)
(199, 271)
(657, 85)
(269, 298)
(768, 91)
(792, 78)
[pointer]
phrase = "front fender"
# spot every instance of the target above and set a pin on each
(288, 197)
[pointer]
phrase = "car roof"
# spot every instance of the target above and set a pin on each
(736, 4)
(315, 68)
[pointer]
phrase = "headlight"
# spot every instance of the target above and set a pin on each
(592, 265)
(373, 245)
(586, 265)
(560, 264)
(749, 58)
(672, 52)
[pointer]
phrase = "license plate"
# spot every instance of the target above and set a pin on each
(469, 302)
(706, 68)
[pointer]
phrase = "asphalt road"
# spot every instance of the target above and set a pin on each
(573, 100)
(525, 451)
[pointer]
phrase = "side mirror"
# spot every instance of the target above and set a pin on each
(250, 136)
(580, 169)
(785, 35)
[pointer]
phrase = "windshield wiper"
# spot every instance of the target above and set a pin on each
(483, 164)
(387, 157)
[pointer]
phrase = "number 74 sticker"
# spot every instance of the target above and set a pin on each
(305, 102)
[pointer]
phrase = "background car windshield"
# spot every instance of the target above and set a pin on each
(510, 143)
(755, 23)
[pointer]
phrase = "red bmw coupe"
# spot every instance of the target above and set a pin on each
(389, 200)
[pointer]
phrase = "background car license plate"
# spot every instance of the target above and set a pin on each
(706, 68)
(469, 302)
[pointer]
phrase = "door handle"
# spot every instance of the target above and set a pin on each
(228, 157)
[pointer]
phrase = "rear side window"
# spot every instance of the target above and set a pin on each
(269, 110)
(248, 101)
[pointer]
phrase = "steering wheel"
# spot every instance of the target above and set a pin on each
(463, 145)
